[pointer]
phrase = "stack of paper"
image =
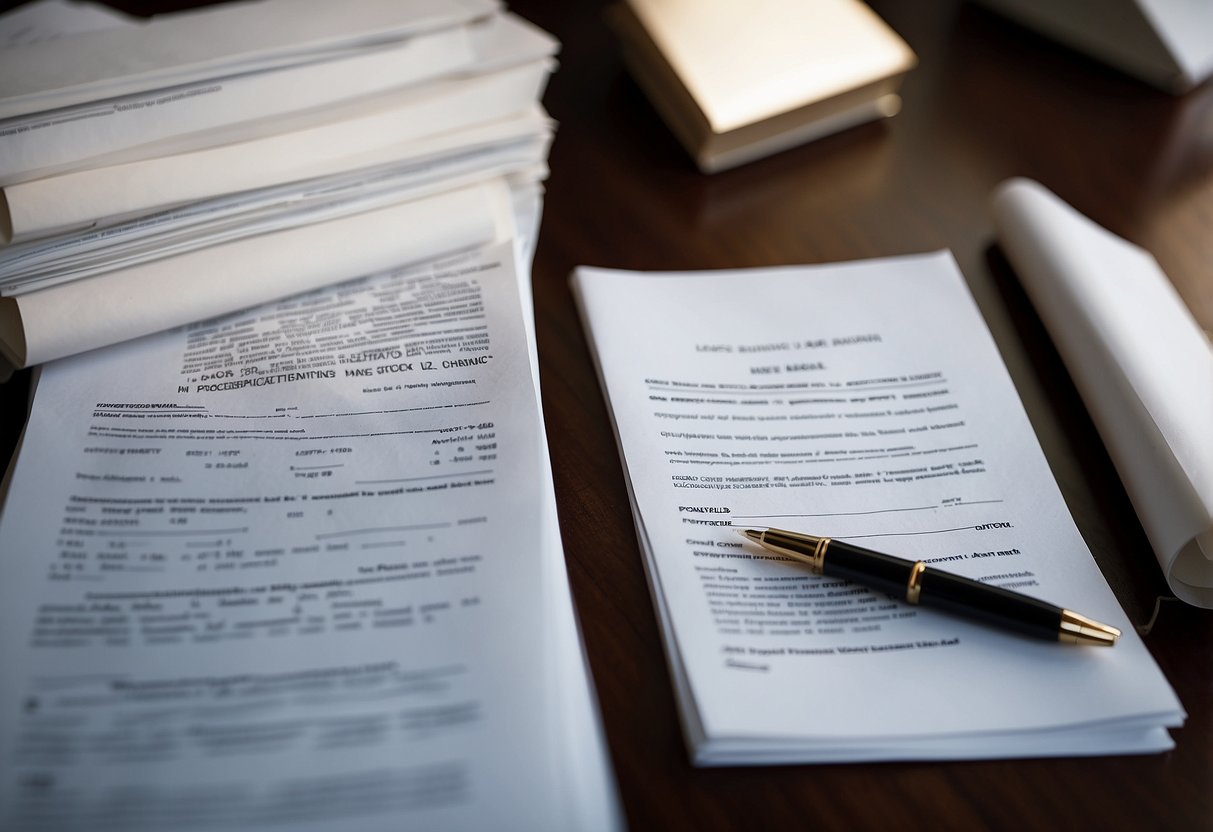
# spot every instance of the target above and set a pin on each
(313, 578)
(806, 398)
(325, 597)
(163, 172)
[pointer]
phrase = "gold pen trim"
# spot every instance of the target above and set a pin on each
(1078, 629)
(792, 545)
(914, 584)
(819, 554)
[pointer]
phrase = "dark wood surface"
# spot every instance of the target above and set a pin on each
(987, 101)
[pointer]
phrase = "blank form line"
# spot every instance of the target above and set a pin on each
(834, 514)
(421, 479)
(378, 529)
(170, 532)
(56, 683)
(908, 534)
(852, 513)
(397, 410)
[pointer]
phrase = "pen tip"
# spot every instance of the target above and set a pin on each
(752, 534)
(1078, 629)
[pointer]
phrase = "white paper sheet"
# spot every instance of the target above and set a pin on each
(1140, 361)
(247, 106)
(511, 72)
(43, 263)
(44, 20)
(184, 47)
(87, 314)
(589, 784)
(865, 402)
(310, 579)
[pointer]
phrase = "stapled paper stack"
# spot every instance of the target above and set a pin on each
(385, 638)
(162, 172)
(804, 396)
(739, 81)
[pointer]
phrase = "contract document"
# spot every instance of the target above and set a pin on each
(864, 402)
(298, 568)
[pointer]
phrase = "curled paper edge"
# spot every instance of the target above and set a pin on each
(1101, 298)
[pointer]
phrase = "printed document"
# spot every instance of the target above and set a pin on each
(864, 402)
(293, 568)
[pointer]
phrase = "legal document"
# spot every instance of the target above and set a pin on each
(295, 567)
(864, 402)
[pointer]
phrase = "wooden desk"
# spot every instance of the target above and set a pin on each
(987, 101)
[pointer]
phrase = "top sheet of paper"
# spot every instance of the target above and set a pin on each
(866, 402)
(209, 42)
(305, 583)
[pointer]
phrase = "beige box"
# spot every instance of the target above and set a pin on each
(737, 81)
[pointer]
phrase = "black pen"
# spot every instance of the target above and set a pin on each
(918, 583)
